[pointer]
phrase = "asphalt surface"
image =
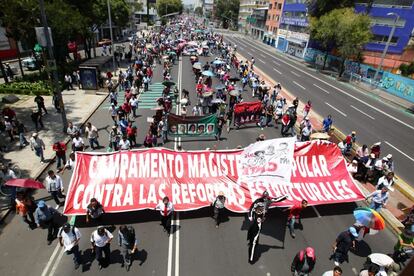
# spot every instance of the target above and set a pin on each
(196, 247)
(373, 119)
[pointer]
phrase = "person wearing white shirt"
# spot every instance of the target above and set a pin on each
(337, 271)
(54, 186)
(166, 209)
(134, 105)
(387, 181)
(92, 134)
(69, 237)
(124, 144)
(101, 241)
(77, 143)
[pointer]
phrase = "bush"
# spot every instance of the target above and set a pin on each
(32, 77)
(26, 88)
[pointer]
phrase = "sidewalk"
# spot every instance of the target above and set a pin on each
(398, 199)
(79, 107)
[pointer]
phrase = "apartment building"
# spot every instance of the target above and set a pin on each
(245, 14)
(274, 15)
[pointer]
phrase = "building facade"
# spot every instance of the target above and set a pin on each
(258, 22)
(245, 12)
(293, 35)
(401, 49)
(274, 15)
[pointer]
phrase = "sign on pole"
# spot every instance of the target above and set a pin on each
(41, 36)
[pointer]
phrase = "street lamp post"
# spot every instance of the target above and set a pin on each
(397, 17)
(57, 91)
(110, 33)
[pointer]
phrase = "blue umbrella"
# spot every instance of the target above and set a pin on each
(220, 87)
(217, 62)
(208, 74)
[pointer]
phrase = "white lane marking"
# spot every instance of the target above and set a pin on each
(299, 85)
(177, 245)
(334, 108)
(320, 88)
(400, 151)
(261, 60)
(340, 90)
(294, 73)
(263, 56)
(369, 116)
(316, 211)
(51, 259)
(57, 261)
(277, 71)
(277, 63)
(355, 271)
(250, 54)
(241, 48)
(170, 247)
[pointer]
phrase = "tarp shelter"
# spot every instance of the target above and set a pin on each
(90, 70)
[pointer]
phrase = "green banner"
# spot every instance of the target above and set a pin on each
(191, 126)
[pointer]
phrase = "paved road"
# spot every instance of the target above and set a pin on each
(196, 247)
(372, 118)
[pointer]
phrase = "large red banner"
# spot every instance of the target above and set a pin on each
(139, 179)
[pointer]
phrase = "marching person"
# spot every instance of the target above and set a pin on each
(38, 146)
(337, 271)
(129, 243)
(44, 219)
(294, 216)
(304, 262)
(166, 209)
(54, 186)
(93, 135)
(94, 211)
(264, 203)
(69, 237)
(218, 206)
(379, 198)
(60, 149)
(343, 243)
(253, 233)
(101, 241)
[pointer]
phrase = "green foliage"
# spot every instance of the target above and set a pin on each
(198, 11)
(345, 29)
(227, 10)
(317, 8)
(407, 69)
(169, 6)
(27, 88)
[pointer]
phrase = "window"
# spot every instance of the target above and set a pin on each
(279, 6)
(382, 39)
(270, 6)
(387, 21)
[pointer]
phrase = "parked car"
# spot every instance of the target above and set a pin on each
(104, 41)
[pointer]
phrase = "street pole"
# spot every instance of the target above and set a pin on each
(57, 91)
(397, 17)
(112, 38)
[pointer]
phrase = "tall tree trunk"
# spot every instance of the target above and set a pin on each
(19, 58)
(3, 71)
(341, 70)
(324, 60)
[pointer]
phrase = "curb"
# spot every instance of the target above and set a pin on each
(45, 166)
(394, 224)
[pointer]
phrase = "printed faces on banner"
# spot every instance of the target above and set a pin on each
(192, 125)
(267, 161)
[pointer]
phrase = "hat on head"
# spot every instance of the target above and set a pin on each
(353, 231)
(354, 161)
(377, 144)
(262, 136)
(221, 193)
(307, 118)
(389, 156)
(384, 159)
(34, 134)
(41, 204)
(310, 252)
(372, 155)
(353, 132)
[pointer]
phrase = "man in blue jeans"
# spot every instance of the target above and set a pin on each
(38, 146)
(294, 216)
(92, 134)
(379, 198)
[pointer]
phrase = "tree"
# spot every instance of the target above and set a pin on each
(198, 11)
(317, 8)
(227, 11)
(165, 7)
(343, 29)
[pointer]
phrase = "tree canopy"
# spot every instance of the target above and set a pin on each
(169, 6)
(227, 10)
(343, 28)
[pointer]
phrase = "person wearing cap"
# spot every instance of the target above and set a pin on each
(54, 186)
(69, 237)
(218, 205)
(38, 146)
(129, 244)
(44, 219)
(92, 133)
(337, 271)
(166, 209)
(303, 262)
(294, 216)
(101, 241)
(379, 198)
(387, 181)
(343, 243)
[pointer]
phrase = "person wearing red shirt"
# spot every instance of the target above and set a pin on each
(294, 215)
(126, 107)
(131, 134)
(60, 149)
